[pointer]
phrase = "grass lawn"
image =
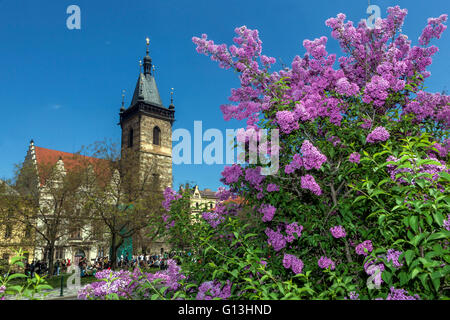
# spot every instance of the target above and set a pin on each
(55, 281)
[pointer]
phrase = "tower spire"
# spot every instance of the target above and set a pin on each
(147, 60)
(171, 106)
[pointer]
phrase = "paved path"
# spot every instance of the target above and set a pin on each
(52, 295)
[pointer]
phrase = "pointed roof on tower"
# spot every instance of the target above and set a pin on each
(146, 98)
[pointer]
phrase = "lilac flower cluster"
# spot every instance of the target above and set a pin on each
(287, 120)
(125, 283)
(377, 135)
(442, 149)
(213, 289)
(291, 230)
(393, 256)
(171, 277)
(308, 182)
(401, 294)
(213, 218)
(120, 282)
(254, 177)
(271, 187)
(434, 29)
(292, 262)
(352, 296)
(268, 212)
(432, 169)
(364, 245)
(326, 263)
(354, 157)
(275, 239)
(297, 163)
(224, 194)
(344, 87)
(312, 158)
(232, 174)
(338, 232)
(429, 105)
(169, 196)
(371, 268)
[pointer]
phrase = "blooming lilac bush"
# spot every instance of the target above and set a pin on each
(331, 224)
(329, 120)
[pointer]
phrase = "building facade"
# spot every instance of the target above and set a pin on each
(146, 127)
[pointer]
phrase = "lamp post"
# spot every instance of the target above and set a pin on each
(62, 286)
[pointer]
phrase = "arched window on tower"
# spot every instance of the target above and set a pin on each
(130, 138)
(156, 136)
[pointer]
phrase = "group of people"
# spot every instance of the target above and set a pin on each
(41, 268)
(143, 261)
(100, 263)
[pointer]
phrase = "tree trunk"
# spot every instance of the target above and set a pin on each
(51, 252)
(113, 251)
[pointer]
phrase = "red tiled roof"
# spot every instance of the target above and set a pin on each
(48, 158)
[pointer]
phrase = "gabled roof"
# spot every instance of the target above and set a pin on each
(71, 161)
(146, 91)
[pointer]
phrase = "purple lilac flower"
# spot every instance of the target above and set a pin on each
(213, 218)
(271, 187)
(371, 268)
(308, 182)
(169, 196)
(312, 158)
(401, 294)
(287, 120)
(232, 174)
(292, 229)
(344, 87)
(292, 262)
(253, 175)
(338, 232)
(276, 239)
(213, 289)
(364, 245)
(354, 157)
(393, 255)
(326, 263)
(378, 134)
(353, 295)
(268, 211)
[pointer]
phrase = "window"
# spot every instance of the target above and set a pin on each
(75, 233)
(130, 138)
(27, 231)
(156, 136)
(8, 231)
(196, 205)
(59, 253)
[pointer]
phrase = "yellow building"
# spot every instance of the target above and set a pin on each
(13, 235)
(202, 200)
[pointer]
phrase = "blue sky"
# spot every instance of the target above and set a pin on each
(62, 87)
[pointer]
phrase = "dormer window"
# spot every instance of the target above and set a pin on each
(156, 136)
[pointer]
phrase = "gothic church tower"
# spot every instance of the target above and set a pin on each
(147, 126)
